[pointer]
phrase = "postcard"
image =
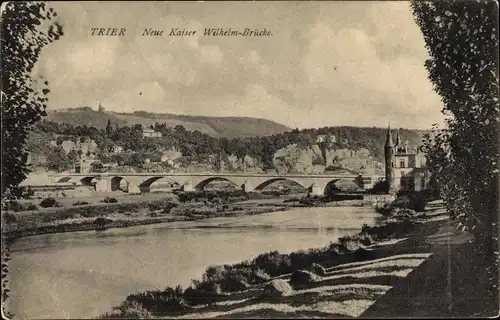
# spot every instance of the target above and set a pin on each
(249, 159)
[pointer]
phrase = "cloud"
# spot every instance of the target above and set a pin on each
(376, 48)
(347, 67)
(92, 60)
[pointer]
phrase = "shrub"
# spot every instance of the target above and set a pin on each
(213, 274)
(30, 207)
(274, 263)
(9, 217)
(390, 230)
(80, 203)
(16, 206)
(337, 249)
(202, 293)
(160, 302)
(300, 259)
(49, 203)
(109, 200)
(306, 202)
(366, 239)
(236, 280)
(101, 222)
(351, 243)
(317, 269)
(301, 279)
(129, 310)
(416, 201)
(380, 187)
(260, 276)
(229, 279)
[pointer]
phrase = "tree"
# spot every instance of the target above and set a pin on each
(462, 41)
(179, 128)
(109, 128)
(58, 160)
(23, 104)
(138, 158)
(73, 156)
(59, 140)
(107, 145)
(38, 142)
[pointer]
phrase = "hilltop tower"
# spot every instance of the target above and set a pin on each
(389, 153)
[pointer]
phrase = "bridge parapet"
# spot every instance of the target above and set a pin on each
(106, 181)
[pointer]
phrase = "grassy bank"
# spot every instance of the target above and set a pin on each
(112, 214)
(53, 215)
(273, 278)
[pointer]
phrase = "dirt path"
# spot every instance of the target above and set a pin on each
(354, 289)
(433, 272)
(450, 283)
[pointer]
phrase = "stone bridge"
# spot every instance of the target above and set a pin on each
(141, 182)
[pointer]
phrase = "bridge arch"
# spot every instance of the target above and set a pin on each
(66, 180)
(119, 183)
(202, 184)
(148, 182)
(268, 182)
(342, 185)
(88, 181)
(153, 183)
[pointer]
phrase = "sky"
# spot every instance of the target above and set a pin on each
(324, 64)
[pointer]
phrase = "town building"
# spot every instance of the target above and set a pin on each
(35, 159)
(326, 138)
(150, 133)
(68, 146)
(117, 149)
(405, 166)
(84, 165)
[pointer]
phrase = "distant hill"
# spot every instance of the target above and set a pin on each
(214, 126)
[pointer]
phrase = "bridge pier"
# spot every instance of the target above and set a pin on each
(188, 187)
(103, 185)
(247, 186)
(316, 190)
(132, 188)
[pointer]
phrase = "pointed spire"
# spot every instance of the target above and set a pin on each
(388, 139)
(398, 141)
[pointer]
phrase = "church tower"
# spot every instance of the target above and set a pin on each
(397, 145)
(389, 153)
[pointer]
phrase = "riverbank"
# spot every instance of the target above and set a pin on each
(342, 279)
(114, 214)
(125, 212)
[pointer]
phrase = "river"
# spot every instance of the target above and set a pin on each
(84, 274)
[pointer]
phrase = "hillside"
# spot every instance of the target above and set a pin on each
(213, 126)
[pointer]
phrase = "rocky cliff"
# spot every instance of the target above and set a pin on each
(315, 160)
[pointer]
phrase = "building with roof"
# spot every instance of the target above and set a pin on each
(150, 133)
(321, 138)
(405, 165)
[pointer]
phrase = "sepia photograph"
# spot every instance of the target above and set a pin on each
(250, 159)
